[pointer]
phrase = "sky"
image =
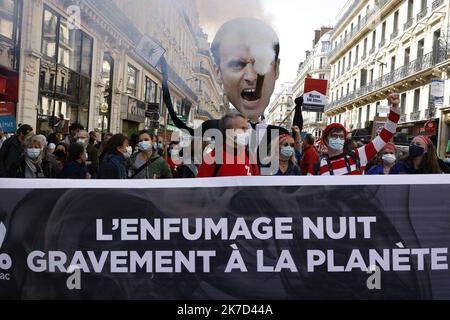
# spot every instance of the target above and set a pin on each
(294, 21)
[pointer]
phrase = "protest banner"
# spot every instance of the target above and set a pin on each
(226, 238)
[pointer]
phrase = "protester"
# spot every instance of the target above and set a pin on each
(147, 163)
(75, 167)
(288, 165)
(116, 153)
(92, 160)
(339, 162)
(61, 153)
(102, 145)
(12, 151)
(59, 126)
(33, 163)
(51, 148)
(234, 128)
(309, 154)
(422, 158)
(73, 130)
(386, 160)
(2, 137)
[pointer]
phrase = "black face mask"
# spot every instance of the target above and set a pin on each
(416, 151)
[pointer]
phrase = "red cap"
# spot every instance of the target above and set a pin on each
(389, 146)
(330, 127)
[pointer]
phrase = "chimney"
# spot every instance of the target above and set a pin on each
(324, 30)
(317, 35)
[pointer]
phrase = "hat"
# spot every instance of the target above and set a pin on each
(51, 145)
(389, 147)
(330, 127)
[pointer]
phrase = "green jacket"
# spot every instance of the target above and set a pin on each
(158, 168)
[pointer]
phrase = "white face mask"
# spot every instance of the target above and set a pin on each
(33, 153)
(145, 145)
(287, 152)
(243, 139)
(129, 152)
(389, 158)
(336, 144)
(82, 141)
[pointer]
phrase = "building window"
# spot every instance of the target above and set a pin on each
(322, 76)
(354, 85)
(420, 46)
(368, 113)
(393, 64)
(359, 115)
(403, 103)
(416, 104)
(410, 9)
(407, 57)
(374, 37)
(383, 32)
(150, 91)
(10, 22)
(65, 72)
(365, 48)
(357, 54)
(395, 25)
(132, 79)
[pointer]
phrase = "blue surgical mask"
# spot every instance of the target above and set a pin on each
(145, 145)
(416, 151)
(336, 144)
(287, 152)
(33, 153)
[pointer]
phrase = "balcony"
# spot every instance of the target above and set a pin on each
(423, 63)
(422, 14)
(365, 21)
(430, 113)
(408, 24)
(403, 117)
(394, 34)
(436, 4)
(415, 115)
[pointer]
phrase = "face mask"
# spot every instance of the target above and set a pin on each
(336, 144)
(174, 152)
(242, 139)
(82, 142)
(416, 151)
(145, 145)
(389, 158)
(287, 152)
(33, 153)
(129, 152)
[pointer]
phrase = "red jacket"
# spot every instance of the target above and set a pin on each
(309, 158)
(232, 169)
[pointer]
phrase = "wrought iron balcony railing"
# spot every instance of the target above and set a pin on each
(420, 64)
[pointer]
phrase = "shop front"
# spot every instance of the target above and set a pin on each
(10, 21)
(133, 115)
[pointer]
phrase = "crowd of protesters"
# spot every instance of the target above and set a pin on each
(78, 154)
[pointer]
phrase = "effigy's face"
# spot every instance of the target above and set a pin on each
(238, 75)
